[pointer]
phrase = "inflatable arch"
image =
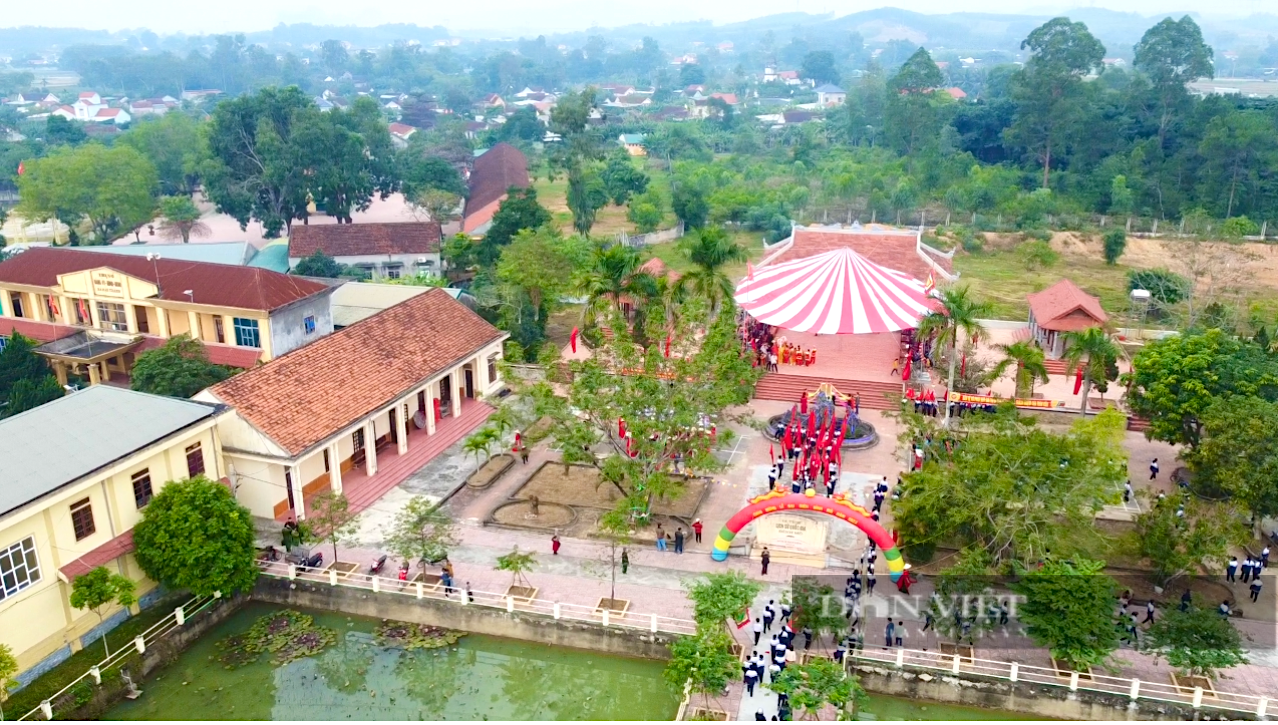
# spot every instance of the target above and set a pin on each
(838, 507)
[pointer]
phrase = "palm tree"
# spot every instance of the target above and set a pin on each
(1095, 352)
(1030, 365)
(960, 313)
(614, 273)
(710, 250)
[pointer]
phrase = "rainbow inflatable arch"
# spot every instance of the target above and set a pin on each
(838, 507)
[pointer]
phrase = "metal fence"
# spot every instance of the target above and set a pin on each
(174, 620)
(1133, 689)
(435, 591)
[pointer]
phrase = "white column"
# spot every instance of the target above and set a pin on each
(430, 407)
(334, 469)
(299, 501)
(193, 321)
(459, 389)
(401, 426)
(162, 315)
(370, 450)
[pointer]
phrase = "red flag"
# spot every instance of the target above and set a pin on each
(572, 340)
(667, 346)
(785, 440)
(905, 374)
(621, 427)
(772, 454)
(803, 402)
(1078, 380)
(812, 426)
(22, 168)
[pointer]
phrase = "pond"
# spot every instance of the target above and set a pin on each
(479, 678)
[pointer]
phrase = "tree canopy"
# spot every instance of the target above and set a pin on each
(113, 189)
(26, 380)
(1069, 608)
(179, 368)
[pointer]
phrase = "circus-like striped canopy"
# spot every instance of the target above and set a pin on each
(835, 293)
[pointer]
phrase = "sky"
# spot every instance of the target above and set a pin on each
(514, 17)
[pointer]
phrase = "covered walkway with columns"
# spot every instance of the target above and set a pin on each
(361, 410)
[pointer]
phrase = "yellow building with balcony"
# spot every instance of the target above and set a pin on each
(96, 311)
(75, 476)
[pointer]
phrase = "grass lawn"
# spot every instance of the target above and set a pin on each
(1001, 278)
(669, 253)
(609, 222)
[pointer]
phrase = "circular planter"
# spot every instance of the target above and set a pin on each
(493, 469)
(863, 435)
(519, 513)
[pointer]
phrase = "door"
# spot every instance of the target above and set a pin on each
(446, 395)
(470, 383)
(394, 426)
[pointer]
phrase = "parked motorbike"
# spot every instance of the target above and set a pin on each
(377, 566)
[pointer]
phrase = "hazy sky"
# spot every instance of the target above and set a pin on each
(513, 17)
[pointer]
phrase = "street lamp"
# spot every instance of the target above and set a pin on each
(190, 294)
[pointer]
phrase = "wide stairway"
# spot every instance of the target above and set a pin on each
(779, 386)
(1056, 367)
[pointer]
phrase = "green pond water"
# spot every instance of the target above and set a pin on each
(479, 678)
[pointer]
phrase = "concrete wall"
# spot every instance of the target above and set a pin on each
(287, 324)
(378, 263)
(1041, 700)
(453, 615)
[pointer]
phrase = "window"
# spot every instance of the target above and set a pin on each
(217, 328)
(15, 302)
(394, 271)
(194, 460)
(3, 341)
(111, 316)
(492, 368)
(309, 324)
(143, 325)
(19, 567)
(357, 439)
(82, 316)
(82, 519)
(246, 333)
(51, 307)
(142, 487)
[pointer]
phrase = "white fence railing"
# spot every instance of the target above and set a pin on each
(175, 619)
(640, 240)
(1133, 689)
(460, 597)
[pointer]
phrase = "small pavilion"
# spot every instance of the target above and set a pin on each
(1062, 308)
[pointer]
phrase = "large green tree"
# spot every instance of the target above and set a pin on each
(818, 683)
(1237, 454)
(539, 264)
(1009, 487)
(914, 111)
(179, 368)
(704, 662)
(1030, 362)
(24, 377)
(1184, 538)
(1049, 92)
(520, 210)
(1197, 641)
(100, 588)
(1174, 380)
(195, 536)
(181, 218)
(959, 319)
(721, 596)
(1172, 54)
(1069, 608)
(113, 189)
(176, 145)
(422, 532)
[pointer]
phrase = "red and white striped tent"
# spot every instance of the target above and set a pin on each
(835, 293)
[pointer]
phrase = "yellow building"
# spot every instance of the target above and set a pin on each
(75, 475)
(96, 311)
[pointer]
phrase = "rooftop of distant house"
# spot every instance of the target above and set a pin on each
(495, 172)
(358, 240)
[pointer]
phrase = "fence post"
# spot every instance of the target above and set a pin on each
(957, 661)
(605, 617)
(179, 615)
(1198, 697)
(510, 606)
(1014, 674)
(420, 592)
(556, 610)
(1135, 691)
(140, 644)
(1261, 707)
(332, 577)
(377, 584)
(1073, 682)
(47, 709)
(1155, 230)
(292, 571)
(900, 657)
(654, 624)
(96, 674)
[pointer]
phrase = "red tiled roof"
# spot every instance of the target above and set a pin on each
(728, 98)
(402, 130)
(956, 93)
(219, 354)
(1064, 307)
(894, 251)
(500, 168)
(307, 395)
(223, 285)
(39, 331)
(354, 240)
(104, 554)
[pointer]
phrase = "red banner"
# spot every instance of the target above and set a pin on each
(1039, 403)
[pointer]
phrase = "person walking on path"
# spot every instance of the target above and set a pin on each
(661, 538)
(1127, 492)
(1186, 599)
(766, 558)
(625, 560)
(758, 630)
(890, 633)
(679, 540)
(900, 633)
(751, 678)
(1231, 568)
(769, 613)
(523, 453)
(1264, 558)
(1153, 469)
(1255, 589)
(696, 530)
(1246, 570)
(554, 544)
(807, 638)
(1149, 612)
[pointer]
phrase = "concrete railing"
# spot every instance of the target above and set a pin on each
(435, 591)
(1132, 689)
(174, 620)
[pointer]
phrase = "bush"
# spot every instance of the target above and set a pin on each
(1038, 255)
(1042, 235)
(1166, 287)
(1115, 241)
(1239, 227)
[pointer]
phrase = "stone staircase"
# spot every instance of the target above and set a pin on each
(779, 386)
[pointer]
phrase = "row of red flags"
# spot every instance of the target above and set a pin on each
(816, 462)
